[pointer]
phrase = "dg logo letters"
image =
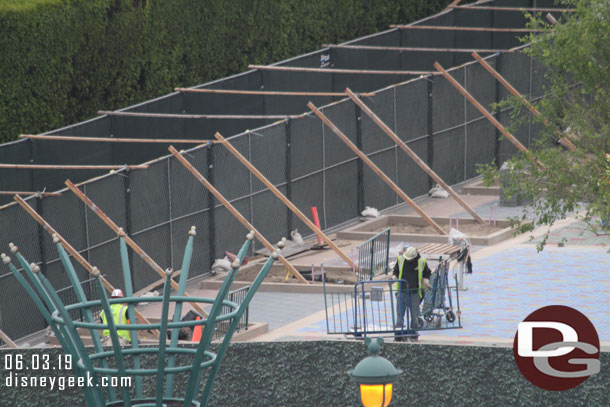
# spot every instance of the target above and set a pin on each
(556, 348)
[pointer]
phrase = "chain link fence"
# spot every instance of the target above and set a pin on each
(303, 158)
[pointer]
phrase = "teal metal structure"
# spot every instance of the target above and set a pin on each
(373, 256)
(101, 364)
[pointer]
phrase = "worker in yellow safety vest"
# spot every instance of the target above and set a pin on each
(119, 316)
(414, 272)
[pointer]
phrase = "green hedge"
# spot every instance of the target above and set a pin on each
(61, 61)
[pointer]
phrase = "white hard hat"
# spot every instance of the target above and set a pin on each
(410, 253)
(117, 293)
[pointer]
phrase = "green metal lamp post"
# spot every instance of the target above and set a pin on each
(375, 376)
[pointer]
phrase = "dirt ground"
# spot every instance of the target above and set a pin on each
(278, 275)
(468, 229)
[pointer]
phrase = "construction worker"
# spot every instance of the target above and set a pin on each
(412, 268)
(119, 316)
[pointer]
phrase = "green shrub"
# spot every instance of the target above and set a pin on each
(61, 61)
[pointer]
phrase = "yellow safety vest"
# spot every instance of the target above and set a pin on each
(118, 312)
(421, 264)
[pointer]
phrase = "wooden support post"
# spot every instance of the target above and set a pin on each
(6, 339)
(563, 140)
(235, 212)
(454, 28)
(75, 254)
(517, 9)
(284, 200)
(480, 108)
(30, 193)
(332, 70)
(412, 154)
(72, 167)
(375, 169)
(414, 49)
(114, 140)
(134, 246)
(193, 116)
(264, 92)
(552, 19)
(453, 4)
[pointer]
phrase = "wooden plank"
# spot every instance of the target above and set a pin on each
(485, 113)
(375, 169)
(552, 19)
(263, 92)
(453, 4)
(563, 140)
(235, 212)
(6, 339)
(346, 71)
(30, 193)
(195, 116)
(72, 167)
(155, 284)
(519, 9)
(412, 154)
(415, 49)
(285, 200)
(114, 140)
(134, 246)
(75, 254)
(454, 28)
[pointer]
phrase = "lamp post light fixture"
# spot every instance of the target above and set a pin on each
(375, 375)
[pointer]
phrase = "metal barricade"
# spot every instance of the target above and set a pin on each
(236, 296)
(373, 308)
(373, 256)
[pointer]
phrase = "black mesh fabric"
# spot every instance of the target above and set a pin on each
(411, 178)
(21, 229)
(156, 242)
(305, 146)
(341, 191)
(149, 194)
(187, 194)
(15, 179)
(109, 195)
(230, 234)
(376, 192)
(382, 105)
(412, 110)
(308, 192)
(231, 177)
(12, 321)
(480, 145)
(447, 102)
(268, 151)
(200, 262)
(343, 115)
(449, 153)
(270, 216)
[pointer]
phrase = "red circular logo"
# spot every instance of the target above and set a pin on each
(556, 348)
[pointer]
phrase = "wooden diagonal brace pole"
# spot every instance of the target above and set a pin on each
(284, 200)
(412, 154)
(563, 140)
(73, 252)
(484, 111)
(235, 212)
(453, 4)
(375, 169)
(134, 246)
(6, 339)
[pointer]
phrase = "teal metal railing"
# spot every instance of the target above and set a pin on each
(373, 256)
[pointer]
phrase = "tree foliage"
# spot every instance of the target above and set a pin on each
(576, 56)
(62, 60)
